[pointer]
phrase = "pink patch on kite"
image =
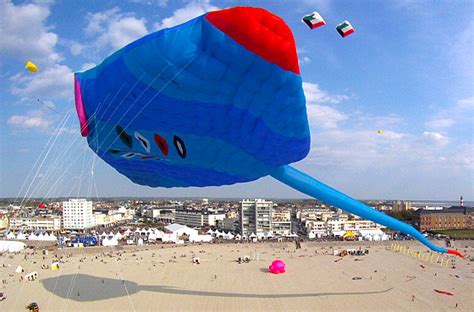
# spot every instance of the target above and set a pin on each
(81, 113)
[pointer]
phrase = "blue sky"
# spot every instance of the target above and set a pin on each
(407, 70)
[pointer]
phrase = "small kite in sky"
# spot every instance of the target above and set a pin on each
(313, 20)
(31, 67)
(345, 29)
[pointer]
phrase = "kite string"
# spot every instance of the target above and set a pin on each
(42, 162)
(73, 281)
(65, 151)
(37, 160)
(53, 163)
(124, 285)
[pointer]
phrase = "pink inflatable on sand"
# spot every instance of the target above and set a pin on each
(277, 267)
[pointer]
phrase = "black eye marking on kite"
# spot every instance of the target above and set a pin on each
(114, 151)
(126, 138)
(128, 155)
(162, 144)
(180, 147)
(145, 143)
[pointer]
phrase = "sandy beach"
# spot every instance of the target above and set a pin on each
(157, 279)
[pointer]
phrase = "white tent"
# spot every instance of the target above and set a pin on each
(159, 234)
(19, 269)
(269, 235)
(21, 235)
(229, 236)
(140, 242)
(238, 237)
(169, 238)
(152, 237)
(252, 235)
(200, 238)
(260, 236)
(10, 235)
(179, 230)
(11, 246)
(33, 237)
(338, 233)
(127, 232)
(210, 232)
(109, 241)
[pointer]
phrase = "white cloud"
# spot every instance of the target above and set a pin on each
(191, 10)
(466, 104)
(114, 29)
(32, 120)
(379, 122)
(436, 138)
(314, 95)
(87, 66)
(304, 60)
(160, 3)
(76, 48)
(460, 52)
(54, 82)
(440, 123)
(25, 35)
(323, 116)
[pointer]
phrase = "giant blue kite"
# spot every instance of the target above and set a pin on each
(217, 100)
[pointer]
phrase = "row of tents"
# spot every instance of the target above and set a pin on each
(366, 235)
(41, 236)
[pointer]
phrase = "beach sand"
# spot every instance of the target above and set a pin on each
(157, 279)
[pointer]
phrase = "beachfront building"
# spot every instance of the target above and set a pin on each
(339, 226)
(281, 222)
(357, 225)
(198, 218)
(77, 214)
(3, 222)
(398, 205)
(454, 218)
(51, 223)
(255, 216)
(228, 224)
(316, 214)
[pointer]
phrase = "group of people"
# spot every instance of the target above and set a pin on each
(246, 259)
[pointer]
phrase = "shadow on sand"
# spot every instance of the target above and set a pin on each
(83, 287)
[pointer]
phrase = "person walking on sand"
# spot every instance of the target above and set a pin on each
(413, 298)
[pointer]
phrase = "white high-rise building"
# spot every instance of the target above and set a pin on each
(255, 216)
(77, 214)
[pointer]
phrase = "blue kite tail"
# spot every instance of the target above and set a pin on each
(310, 186)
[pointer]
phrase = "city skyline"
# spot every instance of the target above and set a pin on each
(423, 104)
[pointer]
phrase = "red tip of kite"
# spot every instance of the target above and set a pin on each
(455, 252)
(261, 32)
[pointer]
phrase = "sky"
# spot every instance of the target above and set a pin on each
(407, 70)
